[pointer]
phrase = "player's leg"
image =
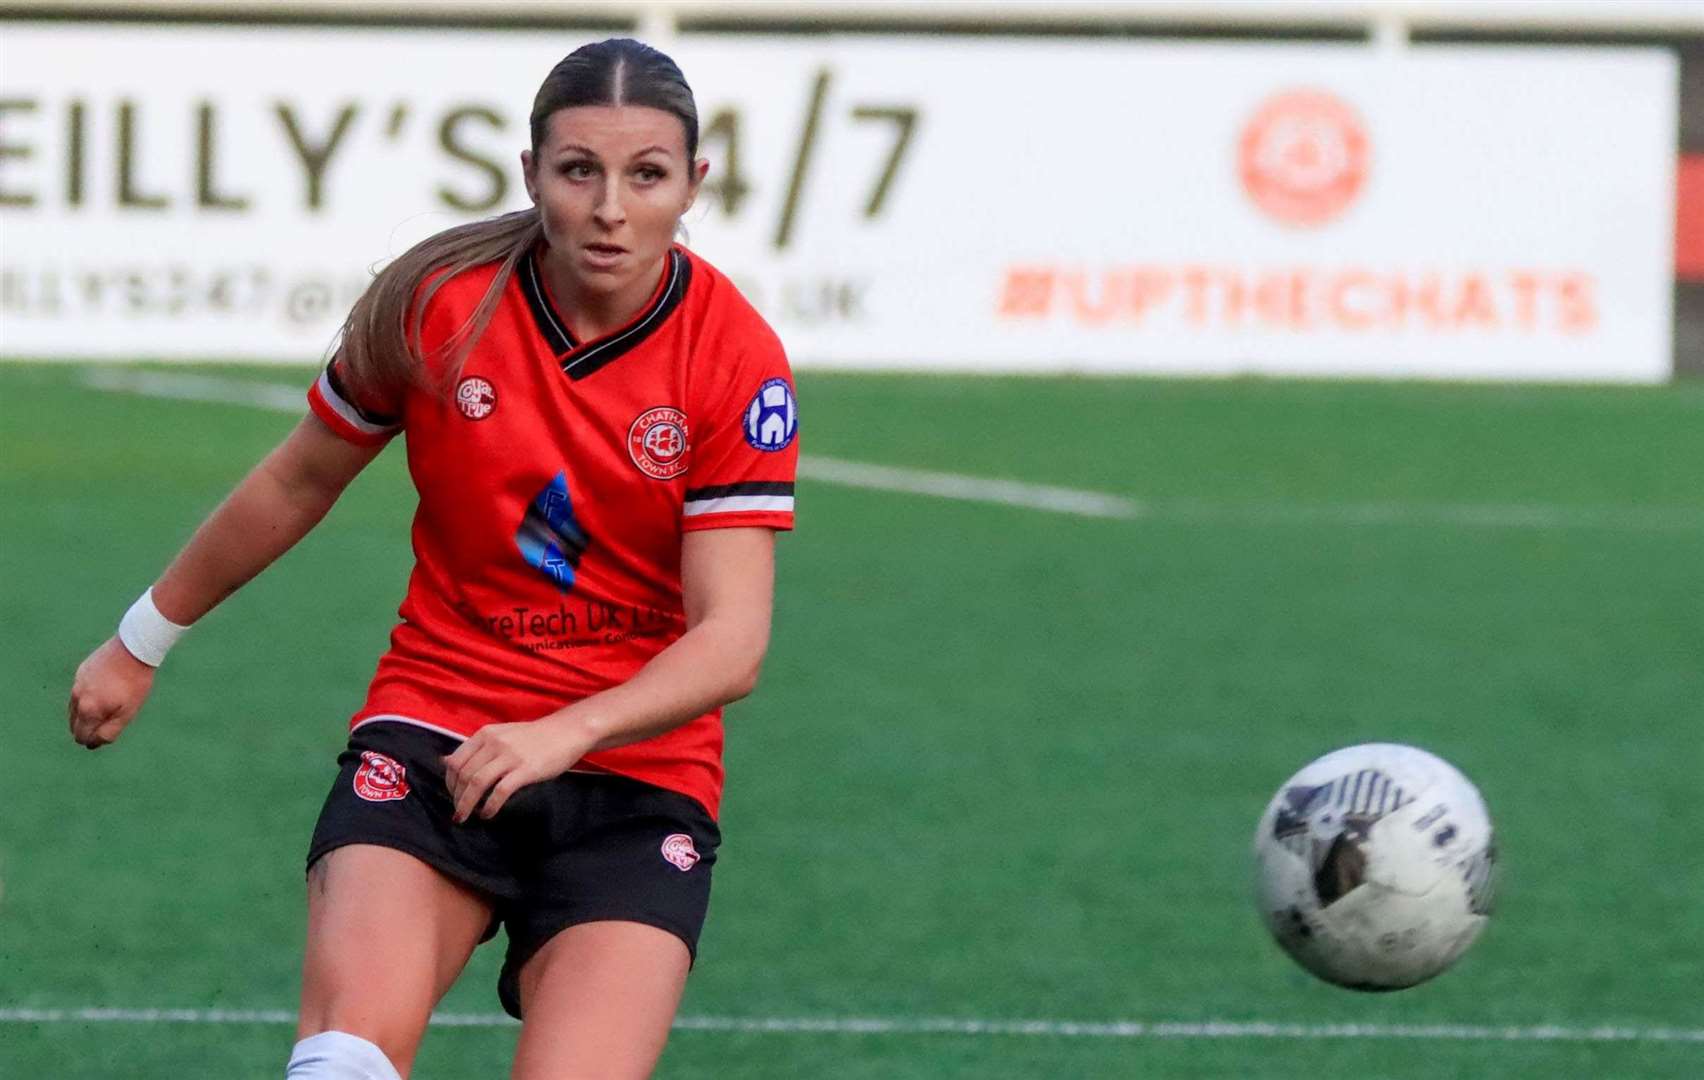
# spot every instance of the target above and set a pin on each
(398, 896)
(598, 1000)
(612, 900)
(387, 935)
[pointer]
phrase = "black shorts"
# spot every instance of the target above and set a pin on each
(580, 848)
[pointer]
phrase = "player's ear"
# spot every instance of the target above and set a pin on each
(527, 176)
(695, 180)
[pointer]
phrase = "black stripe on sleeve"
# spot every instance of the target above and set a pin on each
(750, 487)
(335, 378)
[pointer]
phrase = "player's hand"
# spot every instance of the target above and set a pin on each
(109, 688)
(503, 758)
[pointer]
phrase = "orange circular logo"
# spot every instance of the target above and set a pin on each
(1303, 157)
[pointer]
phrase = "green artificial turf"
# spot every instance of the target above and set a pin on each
(1003, 765)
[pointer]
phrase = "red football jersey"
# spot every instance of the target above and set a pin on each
(555, 484)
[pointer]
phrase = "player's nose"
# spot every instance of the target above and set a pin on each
(609, 210)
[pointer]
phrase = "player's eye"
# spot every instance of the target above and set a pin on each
(650, 174)
(578, 169)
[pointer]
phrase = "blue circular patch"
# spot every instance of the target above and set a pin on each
(772, 418)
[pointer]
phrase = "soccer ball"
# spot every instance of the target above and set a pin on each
(1373, 866)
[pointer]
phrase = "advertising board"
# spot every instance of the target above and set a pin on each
(910, 203)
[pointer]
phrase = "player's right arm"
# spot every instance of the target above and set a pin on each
(277, 504)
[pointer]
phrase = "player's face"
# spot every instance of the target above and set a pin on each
(611, 182)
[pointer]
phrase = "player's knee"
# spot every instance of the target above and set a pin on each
(337, 1055)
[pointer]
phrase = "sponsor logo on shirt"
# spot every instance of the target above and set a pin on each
(657, 443)
(476, 398)
(380, 778)
(582, 625)
(551, 538)
(772, 418)
(678, 849)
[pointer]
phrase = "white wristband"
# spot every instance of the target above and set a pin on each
(146, 633)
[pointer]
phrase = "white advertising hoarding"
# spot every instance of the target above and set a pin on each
(219, 193)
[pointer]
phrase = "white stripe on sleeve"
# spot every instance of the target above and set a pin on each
(739, 504)
(347, 411)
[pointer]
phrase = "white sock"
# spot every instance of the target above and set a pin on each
(338, 1055)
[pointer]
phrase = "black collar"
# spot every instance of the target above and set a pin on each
(581, 359)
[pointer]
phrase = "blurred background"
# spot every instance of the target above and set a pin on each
(1188, 389)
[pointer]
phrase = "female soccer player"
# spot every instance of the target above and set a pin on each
(601, 432)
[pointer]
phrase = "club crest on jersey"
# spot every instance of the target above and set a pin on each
(476, 398)
(772, 418)
(678, 850)
(657, 443)
(380, 778)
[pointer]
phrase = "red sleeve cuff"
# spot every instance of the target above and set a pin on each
(745, 520)
(344, 419)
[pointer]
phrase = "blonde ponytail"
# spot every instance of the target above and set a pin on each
(382, 352)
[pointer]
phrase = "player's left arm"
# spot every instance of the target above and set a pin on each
(727, 580)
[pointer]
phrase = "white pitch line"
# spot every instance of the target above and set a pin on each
(871, 1025)
(1481, 515)
(278, 397)
(945, 485)
(285, 397)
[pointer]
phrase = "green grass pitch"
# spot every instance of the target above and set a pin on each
(1004, 764)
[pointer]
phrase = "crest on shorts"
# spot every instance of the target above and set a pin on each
(657, 443)
(380, 778)
(476, 398)
(678, 849)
